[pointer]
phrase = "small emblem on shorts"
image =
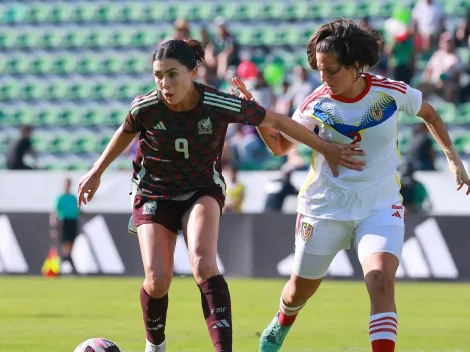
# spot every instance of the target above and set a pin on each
(306, 231)
(149, 208)
(205, 126)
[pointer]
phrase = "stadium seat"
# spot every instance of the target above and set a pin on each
(47, 117)
(83, 12)
(463, 114)
(9, 90)
(74, 39)
(57, 89)
(462, 143)
(87, 64)
(37, 12)
(13, 13)
(68, 116)
(33, 90)
(41, 64)
(50, 39)
(41, 141)
(17, 64)
(60, 143)
(60, 13)
(84, 144)
(131, 12)
(447, 111)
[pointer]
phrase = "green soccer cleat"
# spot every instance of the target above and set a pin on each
(273, 336)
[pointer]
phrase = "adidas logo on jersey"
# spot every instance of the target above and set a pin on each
(221, 324)
(160, 126)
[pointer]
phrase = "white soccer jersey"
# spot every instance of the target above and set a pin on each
(371, 120)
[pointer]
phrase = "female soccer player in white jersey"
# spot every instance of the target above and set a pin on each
(364, 205)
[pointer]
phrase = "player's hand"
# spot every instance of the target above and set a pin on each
(88, 186)
(461, 177)
(244, 92)
(343, 155)
(456, 167)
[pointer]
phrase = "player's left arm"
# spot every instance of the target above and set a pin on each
(439, 131)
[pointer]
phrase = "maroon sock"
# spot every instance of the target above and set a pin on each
(154, 313)
(217, 309)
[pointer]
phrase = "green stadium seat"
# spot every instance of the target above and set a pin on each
(7, 39)
(115, 117)
(77, 165)
(406, 119)
(5, 142)
(38, 12)
(51, 39)
(253, 11)
(34, 90)
(47, 117)
(52, 165)
(103, 90)
(41, 141)
(226, 9)
(403, 142)
(22, 116)
(87, 64)
(203, 10)
(244, 35)
(74, 39)
(156, 11)
(84, 144)
(137, 64)
(57, 89)
(41, 64)
(101, 143)
(97, 39)
(65, 64)
(10, 90)
(106, 13)
(111, 64)
(265, 35)
(463, 114)
(28, 40)
(92, 117)
(61, 143)
(145, 38)
(68, 116)
(132, 12)
(120, 39)
(60, 13)
(17, 64)
(13, 13)
(447, 111)
(83, 12)
(462, 143)
(145, 88)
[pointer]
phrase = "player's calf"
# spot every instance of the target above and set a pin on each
(217, 308)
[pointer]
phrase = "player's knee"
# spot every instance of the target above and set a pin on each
(157, 286)
(380, 283)
(203, 268)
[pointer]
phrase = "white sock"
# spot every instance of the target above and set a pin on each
(150, 347)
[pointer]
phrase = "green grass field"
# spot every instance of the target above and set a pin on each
(55, 315)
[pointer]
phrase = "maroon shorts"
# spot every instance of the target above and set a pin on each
(169, 213)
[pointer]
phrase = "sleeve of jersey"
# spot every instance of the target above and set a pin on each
(304, 119)
(236, 110)
(132, 123)
(411, 101)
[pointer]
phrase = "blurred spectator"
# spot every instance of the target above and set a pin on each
(365, 23)
(64, 222)
(302, 86)
(19, 148)
(235, 191)
(430, 17)
(181, 29)
(421, 154)
(278, 189)
(263, 93)
(402, 56)
(226, 48)
(442, 73)
(247, 146)
(283, 101)
(414, 193)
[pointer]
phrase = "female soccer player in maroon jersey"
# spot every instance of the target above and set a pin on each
(177, 182)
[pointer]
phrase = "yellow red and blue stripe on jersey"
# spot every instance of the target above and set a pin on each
(379, 111)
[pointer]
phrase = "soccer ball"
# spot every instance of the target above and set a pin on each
(97, 345)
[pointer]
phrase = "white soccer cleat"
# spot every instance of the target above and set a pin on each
(150, 347)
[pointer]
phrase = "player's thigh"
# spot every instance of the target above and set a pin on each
(382, 232)
(317, 241)
(200, 225)
(157, 245)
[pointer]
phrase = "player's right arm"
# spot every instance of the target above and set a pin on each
(119, 142)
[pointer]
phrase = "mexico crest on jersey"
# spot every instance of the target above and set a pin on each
(205, 126)
(149, 208)
(377, 113)
(306, 231)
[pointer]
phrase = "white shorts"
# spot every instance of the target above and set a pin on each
(317, 241)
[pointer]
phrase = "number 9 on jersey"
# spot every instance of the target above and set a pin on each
(181, 145)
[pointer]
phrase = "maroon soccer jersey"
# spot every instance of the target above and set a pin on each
(180, 152)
